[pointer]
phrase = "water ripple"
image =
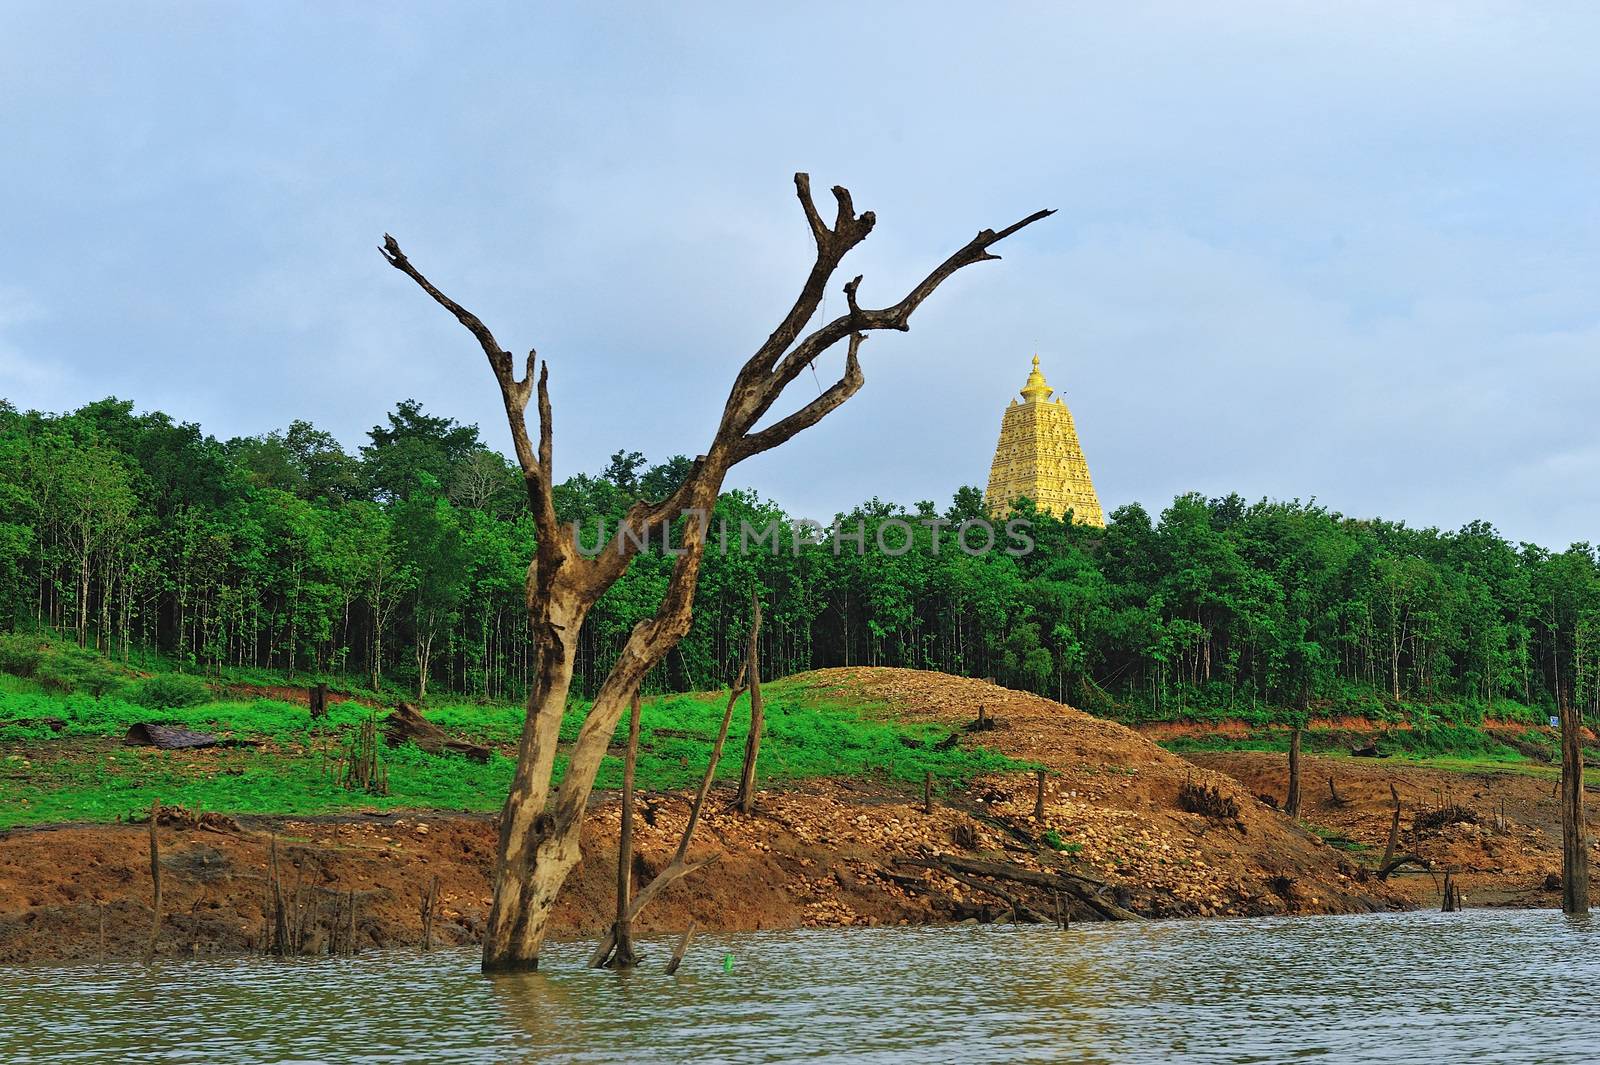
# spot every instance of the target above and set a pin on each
(1484, 986)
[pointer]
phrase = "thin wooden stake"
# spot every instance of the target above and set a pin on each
(623, 956)
(746, 800)
(1038, 795)
(681, 949)
(1291, 804)
(1452, 893)
(155, 876)
(428, 902)
(1574, 842)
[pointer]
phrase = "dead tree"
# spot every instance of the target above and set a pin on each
(746, 799)
(1574, 844)
(539, 833)
(1291, 802)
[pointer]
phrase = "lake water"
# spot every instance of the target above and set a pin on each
(1505, 986)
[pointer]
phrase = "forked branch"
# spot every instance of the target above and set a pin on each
(812, 413)
(514, 391)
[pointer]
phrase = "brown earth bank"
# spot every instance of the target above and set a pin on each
(1497, 831)
(1236, 728)
(1115, 840)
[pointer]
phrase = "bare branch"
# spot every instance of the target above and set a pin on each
(811, 413)
(802, 188)
(850, 288)
(833, 244)
(898, 316)
(768, 372)
(544, 503)
(514, 393)
(499, 358)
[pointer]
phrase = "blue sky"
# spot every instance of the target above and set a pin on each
(1345, 251)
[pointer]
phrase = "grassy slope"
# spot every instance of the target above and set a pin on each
(74, 768)
(78, 770)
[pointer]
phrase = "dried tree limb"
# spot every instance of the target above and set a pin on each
(897, 316)
(1391, 864)
(1020, 911)
(1023, 875)
(514, 392)
(681, 949)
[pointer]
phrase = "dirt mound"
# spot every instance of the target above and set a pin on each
(1112, 799)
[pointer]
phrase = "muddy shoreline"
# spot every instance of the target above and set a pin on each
(823, 853)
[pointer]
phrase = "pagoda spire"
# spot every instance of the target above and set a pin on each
(1037, 390)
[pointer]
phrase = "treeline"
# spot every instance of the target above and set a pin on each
(403, 565)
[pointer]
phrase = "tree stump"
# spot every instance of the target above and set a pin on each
(407, 725)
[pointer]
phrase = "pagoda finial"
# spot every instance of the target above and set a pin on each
(1036, 390)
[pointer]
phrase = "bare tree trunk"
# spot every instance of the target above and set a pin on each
(622, 931)
(746, 800)
(1574, 844)
(1291, 804)
(539, 833)
(537, 849)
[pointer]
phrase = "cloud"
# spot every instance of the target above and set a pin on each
(1337, 250)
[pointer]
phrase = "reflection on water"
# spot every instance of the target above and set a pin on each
(1488, 986)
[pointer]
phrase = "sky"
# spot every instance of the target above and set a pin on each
(1347, 252)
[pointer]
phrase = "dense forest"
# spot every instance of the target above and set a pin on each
(402, 567)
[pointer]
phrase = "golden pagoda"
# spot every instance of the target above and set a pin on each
(1039, 456)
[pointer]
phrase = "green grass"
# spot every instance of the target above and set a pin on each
(1439, 744)
(63, 759)
(119, 783)
(1337, 839)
